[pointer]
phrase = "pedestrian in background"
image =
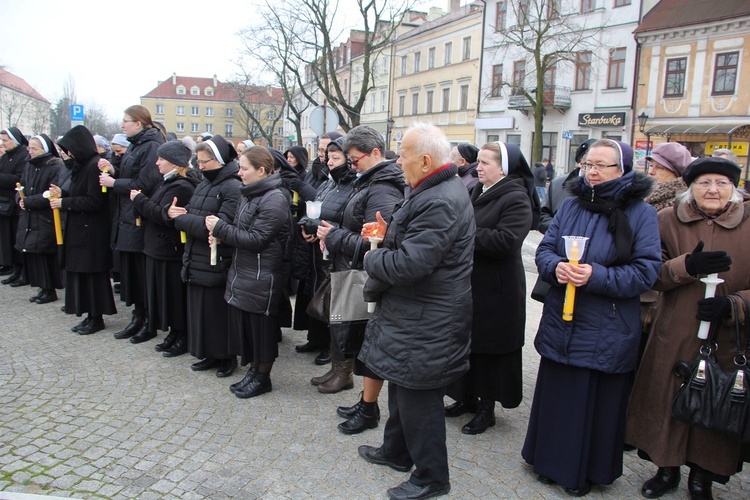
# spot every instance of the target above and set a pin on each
(464, 156)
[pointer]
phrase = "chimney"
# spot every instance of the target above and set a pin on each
(214, 81)
(455, 5)
(435, 12)
(174, 78)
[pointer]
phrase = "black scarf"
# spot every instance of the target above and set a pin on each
(618, 224)
(211, 175)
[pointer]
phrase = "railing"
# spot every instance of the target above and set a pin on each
(554, 96)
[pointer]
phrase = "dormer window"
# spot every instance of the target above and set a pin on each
(180, 90)
(195, 91)
(209, 91)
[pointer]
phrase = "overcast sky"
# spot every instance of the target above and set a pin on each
(118, 51)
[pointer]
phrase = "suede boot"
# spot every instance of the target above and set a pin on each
(367, 417)
(342, 378)
(323, 378)
(136, 323)
(261, 384)
(483, 420)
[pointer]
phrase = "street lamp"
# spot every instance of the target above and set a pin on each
(642, 120)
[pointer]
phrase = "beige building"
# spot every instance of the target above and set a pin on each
(193, 106)
(692, 77)
(22, 106)
(436, 74)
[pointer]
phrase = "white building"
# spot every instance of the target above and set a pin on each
(22, 106)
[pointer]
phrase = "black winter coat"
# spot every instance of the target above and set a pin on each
(87, 224)
(498, 281)
(556, 194)
(218, 197)
(160, 238)
(379, 189)
(420, 333)
(36, 229)
(12, 165)
(138, 170)
(260, 235)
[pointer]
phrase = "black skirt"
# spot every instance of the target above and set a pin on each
(493, 377)
(208, 335)
(577, 424)
(8, 254)
(89, 293)
(166, 296)
(43, 270)
(133, 278)
(252, 336)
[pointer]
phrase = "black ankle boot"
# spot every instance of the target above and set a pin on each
(261, 384)
(350, 411)
(82, 324)
(94, 325)
(13, 276)
(699, 486)
(143, 334)
(46, 297)
(178, 347)
(483, 420)
(168, 341)
(136, 323)
(666, 479)
(227, 367)
(38, 294)
(249, 376)
(458, 408)
(367, 417)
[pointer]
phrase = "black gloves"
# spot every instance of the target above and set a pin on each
(700, 262)
(714, 308)
(295, 183)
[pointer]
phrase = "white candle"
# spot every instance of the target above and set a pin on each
(214, 252)
(374, 242)
(711, 281)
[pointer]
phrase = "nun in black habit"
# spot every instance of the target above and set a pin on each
(12, 164)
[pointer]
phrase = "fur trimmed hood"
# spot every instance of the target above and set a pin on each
(631, 187)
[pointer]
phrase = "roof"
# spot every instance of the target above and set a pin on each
(465, 11)
(223, 92)
(8, 79)
(680, 13)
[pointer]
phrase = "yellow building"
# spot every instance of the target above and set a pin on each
(436, 75)
(193, 106)
(692, 74)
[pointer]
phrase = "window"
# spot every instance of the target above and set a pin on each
(401, 104)
(519, 75)
(674, 81)
(622, 3)
(448, 53)
(180, 126)
(587, 6)
(256, 114)
(270, 114)
(230, 112)
(725, 73)
(550, 76)
(384, 66)
(228, 130)
(583, 70)
(446, 100)
(616, 75)
(497, 80)
(194, 111)
(500, 15)
(553, 10)
(464, 97)
(209, 111)
(510, 139)
(209, 91)
(159, 109)
(417, 62)
(210, 128)
(415, 104)
(195, 91)
(194, 128)
(180, 110)
(382, 100)
(431, 58)
(268, 130)
(428, 103)
(523, 11)
(372, 102)
(466, 49)
(403, 66)
(180, 90)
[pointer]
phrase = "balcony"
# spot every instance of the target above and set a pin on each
(554, 97)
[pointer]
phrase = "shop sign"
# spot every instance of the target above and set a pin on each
(601, 119)
(738, 148)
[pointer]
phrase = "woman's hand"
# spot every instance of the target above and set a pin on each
(310, 238)
(211, 221)
(55, 202)
(323, 231)
(134, 193)
(375, 229)
(104, 165)
(106, 180)
(20, 203)
(54, 191)
(174, 211)
(579, 275)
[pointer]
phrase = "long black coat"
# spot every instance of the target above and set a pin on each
(498, 281)
(138, 170)
(217, 197)
(160, 238)
(86, 227)
(12, 165)
(36, 229)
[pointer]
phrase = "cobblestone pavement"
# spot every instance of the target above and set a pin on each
(94, 417)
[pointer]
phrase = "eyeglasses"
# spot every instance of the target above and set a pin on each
(203, 163)
(129, 121)
(355, 161)
(721, 184)
(594, 166)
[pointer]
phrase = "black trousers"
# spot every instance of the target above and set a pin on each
(415, 433)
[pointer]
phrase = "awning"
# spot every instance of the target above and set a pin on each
(735, 129)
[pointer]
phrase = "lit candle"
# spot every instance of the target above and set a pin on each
(19, 188)
(374, 242)
(574, 246)
(56, 216)
(711, 281)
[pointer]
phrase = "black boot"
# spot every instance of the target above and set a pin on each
(261, 384)
(205, 364)
(94, 325)
(178, 347)
(6, 270)
(13, 276)
(39, 293)
(483, 420)
(249, 376)
(367, 417)
(46, 297)
(666, 479)
(22, 280)
(350, 411)
(82, 324)
(136, 323)
(469, 405)
(323, 358)
(227, 367)
(699, 485)
(143, 334)
(168, 341)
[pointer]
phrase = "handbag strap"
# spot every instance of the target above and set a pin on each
(746, 308)
(355, 260)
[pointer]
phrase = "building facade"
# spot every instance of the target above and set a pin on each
(22, 106)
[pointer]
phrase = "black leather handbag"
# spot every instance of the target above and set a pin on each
(711, 398)
(319, 306)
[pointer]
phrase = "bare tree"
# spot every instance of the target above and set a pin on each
(259, 105)
(60, 112)
(546, 37)
(14, 106)
(97, 121)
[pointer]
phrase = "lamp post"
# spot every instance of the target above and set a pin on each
(642, 120)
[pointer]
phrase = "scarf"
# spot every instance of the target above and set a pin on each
(618, 224)
(703, 214)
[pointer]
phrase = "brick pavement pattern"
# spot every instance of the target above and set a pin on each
(95, 417)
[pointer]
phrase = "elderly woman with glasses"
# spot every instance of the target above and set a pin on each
(704, 233)
(576, 428)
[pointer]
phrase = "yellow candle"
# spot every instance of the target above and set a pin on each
(56, 217)
(570, 290)
(105, 172)
(19, 188)
(183, 237)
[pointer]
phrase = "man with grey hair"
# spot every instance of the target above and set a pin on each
(418, 337)
(725, 153)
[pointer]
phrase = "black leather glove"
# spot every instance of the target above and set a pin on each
(295, 184)
(714, 308)
(700, 262)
